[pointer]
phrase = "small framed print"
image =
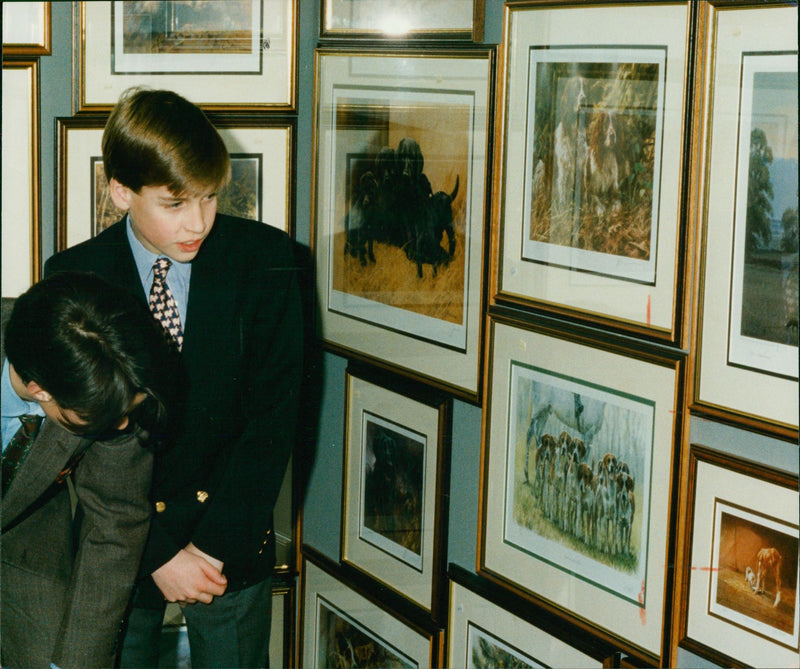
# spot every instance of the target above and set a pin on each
(403, 19)
(587, 209)
(578, 452)
(261, 185)
(394, 510)
(482, 632)
(21, 213)
(399, 200)
(222, 55)
(747, 355)
(741, 606)
(26, 29)
(341, 626)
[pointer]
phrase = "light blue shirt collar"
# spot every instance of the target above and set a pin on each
(178, 277)
(12, 406)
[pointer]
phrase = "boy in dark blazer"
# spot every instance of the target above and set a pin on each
(234, 286)
(85, 365)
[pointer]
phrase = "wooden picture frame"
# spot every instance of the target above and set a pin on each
(249, 65)
(486, 628)
(399, 281)
(26, 29)
(577, 475)
(401, 19)
(264, 146)
(22, 214)
(746, 361)
(394, 507)
(743, 524)
(337, 618)
(588, 216)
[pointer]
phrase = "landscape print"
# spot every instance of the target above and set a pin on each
(393, 489)
(593, 160)
(754, 580)
(239, 198)
(180, 26)
(578, 478)
(764, 325)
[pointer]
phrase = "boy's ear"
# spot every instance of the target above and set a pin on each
(120, 194)
(37, 392)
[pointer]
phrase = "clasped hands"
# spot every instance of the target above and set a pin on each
(191, 576)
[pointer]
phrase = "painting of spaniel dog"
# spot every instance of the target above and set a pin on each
(593, 156)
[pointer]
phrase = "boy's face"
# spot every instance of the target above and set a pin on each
(167, 224)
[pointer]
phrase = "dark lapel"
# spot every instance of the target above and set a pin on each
(213, 293)
(116, 262)
(49, 455)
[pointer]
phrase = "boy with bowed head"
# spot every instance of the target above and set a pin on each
(84, 382)
(226, 291)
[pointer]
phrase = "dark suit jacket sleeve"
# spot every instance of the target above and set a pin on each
(238, 521)
(112, 483)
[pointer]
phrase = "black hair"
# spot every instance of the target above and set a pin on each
(93, 347)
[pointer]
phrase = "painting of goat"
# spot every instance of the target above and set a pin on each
(755, 574)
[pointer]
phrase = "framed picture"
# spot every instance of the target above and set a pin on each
(747, 356)
(26, 29)
(587, 207)
(341, 626)
(483, 633)
(394, 510)
(174, 644)
(741, 604)
(224, 55)
(22, 216)
(261, 186)
(399, 201)
(577, 479)
(403, 19)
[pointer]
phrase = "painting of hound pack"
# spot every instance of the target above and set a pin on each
(578, 478)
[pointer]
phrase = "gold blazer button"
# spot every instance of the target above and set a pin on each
(160, 506)
(202, 496)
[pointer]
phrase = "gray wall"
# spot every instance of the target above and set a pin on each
(322, 509)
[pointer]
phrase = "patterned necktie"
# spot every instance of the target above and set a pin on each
(163, 305)
(19, 446)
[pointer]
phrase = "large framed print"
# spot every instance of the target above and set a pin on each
(403, 19)
(341, 626)
(261, 186)
(483, 633)
(21, 212)
(747, 355)
(577, 478)
(223, 55)
(587, 205)
(26, 29)
(399, 201)
(741, 605)
(394, 508)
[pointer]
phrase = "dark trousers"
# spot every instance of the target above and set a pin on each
(232, 631)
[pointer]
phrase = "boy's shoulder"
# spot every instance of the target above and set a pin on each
(250, 233)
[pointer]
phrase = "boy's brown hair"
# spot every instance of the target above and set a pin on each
(158, 138)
